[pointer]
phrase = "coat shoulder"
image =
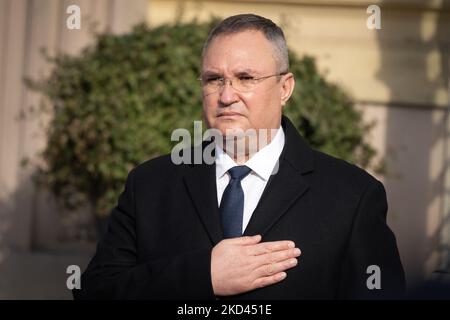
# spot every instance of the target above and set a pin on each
(160, 168)
(329, 167)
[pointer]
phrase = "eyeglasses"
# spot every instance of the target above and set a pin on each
(245, 83)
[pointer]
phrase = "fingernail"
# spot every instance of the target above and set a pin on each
(291, 245)
(297, 251)
(293, 262)
(282, 275)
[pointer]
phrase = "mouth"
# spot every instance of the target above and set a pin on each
(229, 115)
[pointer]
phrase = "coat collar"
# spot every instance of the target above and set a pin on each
(296, 151)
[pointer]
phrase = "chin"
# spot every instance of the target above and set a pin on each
(230, 128)
(233, 121)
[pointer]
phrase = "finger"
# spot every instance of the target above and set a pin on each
(266, 247)
(277, 256)
(270, 269)
(246, 240)
(267, 281)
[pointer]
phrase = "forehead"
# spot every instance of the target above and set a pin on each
(246, 49)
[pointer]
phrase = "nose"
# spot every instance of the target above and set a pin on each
(227, 94)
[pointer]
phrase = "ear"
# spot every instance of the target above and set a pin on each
(287, 87)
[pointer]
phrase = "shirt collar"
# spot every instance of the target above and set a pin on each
(262, 163)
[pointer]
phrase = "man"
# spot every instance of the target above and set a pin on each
(281, 221)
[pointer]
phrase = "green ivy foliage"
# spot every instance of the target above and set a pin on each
(116, 104)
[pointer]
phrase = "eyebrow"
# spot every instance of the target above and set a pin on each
(210, 73)
(238, 72)
(248, 71)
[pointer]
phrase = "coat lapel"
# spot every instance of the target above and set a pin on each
(282, 191)
(200, 182)
(285, 187)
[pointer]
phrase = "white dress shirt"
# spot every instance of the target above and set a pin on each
(262, 164)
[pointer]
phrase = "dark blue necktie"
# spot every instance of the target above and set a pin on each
(232, 204)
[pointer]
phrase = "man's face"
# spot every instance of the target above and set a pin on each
(246, 53)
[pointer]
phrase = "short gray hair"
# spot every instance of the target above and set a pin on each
(245, 22)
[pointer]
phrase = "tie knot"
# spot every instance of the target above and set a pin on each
(239, 172)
